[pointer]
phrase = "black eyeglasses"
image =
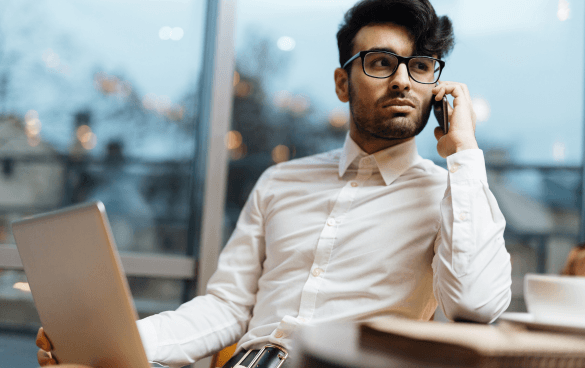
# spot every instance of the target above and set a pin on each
(383, 64)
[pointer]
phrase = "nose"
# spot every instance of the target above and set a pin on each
(400, 81)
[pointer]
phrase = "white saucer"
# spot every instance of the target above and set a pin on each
(558, 325)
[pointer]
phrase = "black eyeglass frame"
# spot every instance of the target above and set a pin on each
(401, 59)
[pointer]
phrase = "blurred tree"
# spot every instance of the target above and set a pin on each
(268, 128)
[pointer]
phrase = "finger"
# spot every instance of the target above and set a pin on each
(466, 90)
(455, 90)
(439, 133)
(451, 86)
(449, 111)
(43, 341)
(442, 146)
(45, 358)
(438, 93)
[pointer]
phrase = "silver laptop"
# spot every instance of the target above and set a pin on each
(79, 288)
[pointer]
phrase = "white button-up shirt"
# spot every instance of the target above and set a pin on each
(345, 236)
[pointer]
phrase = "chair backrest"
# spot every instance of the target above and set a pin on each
(219, 359)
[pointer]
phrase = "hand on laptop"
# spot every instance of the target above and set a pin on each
(44, 354)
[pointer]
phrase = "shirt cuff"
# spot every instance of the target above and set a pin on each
(149, 338)
(466, 165)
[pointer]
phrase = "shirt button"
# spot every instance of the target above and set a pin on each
(331, 221)
(354, 184)
(462, 216)
(367, 161)
(278, 334)
(454, 168)
(317, 272)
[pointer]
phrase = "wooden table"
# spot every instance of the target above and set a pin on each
(337, 346)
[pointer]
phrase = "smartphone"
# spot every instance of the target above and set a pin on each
(441, 109)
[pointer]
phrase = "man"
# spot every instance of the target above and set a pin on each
(365, 230)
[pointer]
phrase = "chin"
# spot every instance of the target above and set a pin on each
(398, 127)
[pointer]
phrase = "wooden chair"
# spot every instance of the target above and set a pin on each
(219, 359)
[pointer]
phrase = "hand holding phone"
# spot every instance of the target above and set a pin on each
(441, 108)
(462, 136)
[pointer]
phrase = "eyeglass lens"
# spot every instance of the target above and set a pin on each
(381, 65)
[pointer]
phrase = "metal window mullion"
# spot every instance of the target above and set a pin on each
(211, 156)
(581, 238)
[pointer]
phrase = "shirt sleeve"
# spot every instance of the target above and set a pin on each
(472, 273)
(208, 323)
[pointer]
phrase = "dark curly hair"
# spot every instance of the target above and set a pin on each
(432, 35)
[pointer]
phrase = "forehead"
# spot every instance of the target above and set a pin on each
(384, 36)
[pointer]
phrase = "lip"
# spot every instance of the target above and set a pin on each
(399, 103)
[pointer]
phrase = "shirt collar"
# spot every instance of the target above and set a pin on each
(392, 162)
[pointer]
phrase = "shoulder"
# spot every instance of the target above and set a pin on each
(304, 168)
(426, 169)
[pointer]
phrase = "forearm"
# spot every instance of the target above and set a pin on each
(472, 270)
(197, 329)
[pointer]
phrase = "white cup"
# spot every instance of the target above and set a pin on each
(555, 298)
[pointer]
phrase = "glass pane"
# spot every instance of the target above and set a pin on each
(98, 101)
(286, 107)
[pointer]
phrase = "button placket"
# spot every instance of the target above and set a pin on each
(327, 240)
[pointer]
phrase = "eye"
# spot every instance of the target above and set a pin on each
(421, 66)
(380, 61)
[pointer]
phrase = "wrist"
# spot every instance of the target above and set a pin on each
(470, 144)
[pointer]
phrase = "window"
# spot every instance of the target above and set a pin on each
(110, 101)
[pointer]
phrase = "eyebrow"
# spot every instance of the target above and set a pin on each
(383, 49)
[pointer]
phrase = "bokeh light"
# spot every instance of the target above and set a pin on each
(243, 89)
(280, 153)
(168, 33)
(31, 115)
(559, 151)
(286, 43)
(81, 132)
(88, 141)
(165, 33)
(112, 85)
(233, 139)
(339, 117)
(564, 10)
(236, 78)
(482, 109)
(299, 104)
(177, 33)
(32, 127)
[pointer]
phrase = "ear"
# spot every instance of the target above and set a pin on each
(341, 84)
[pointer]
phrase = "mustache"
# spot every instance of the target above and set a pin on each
(401, 95)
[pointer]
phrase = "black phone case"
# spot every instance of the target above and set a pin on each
(440, 108)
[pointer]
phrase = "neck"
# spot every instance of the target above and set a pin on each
(371, 144)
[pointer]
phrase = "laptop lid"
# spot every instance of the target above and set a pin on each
(79, 288)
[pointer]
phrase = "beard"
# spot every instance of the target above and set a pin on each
(389, 127)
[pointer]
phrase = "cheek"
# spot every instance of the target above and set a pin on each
(425, 99)
(369, 89)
